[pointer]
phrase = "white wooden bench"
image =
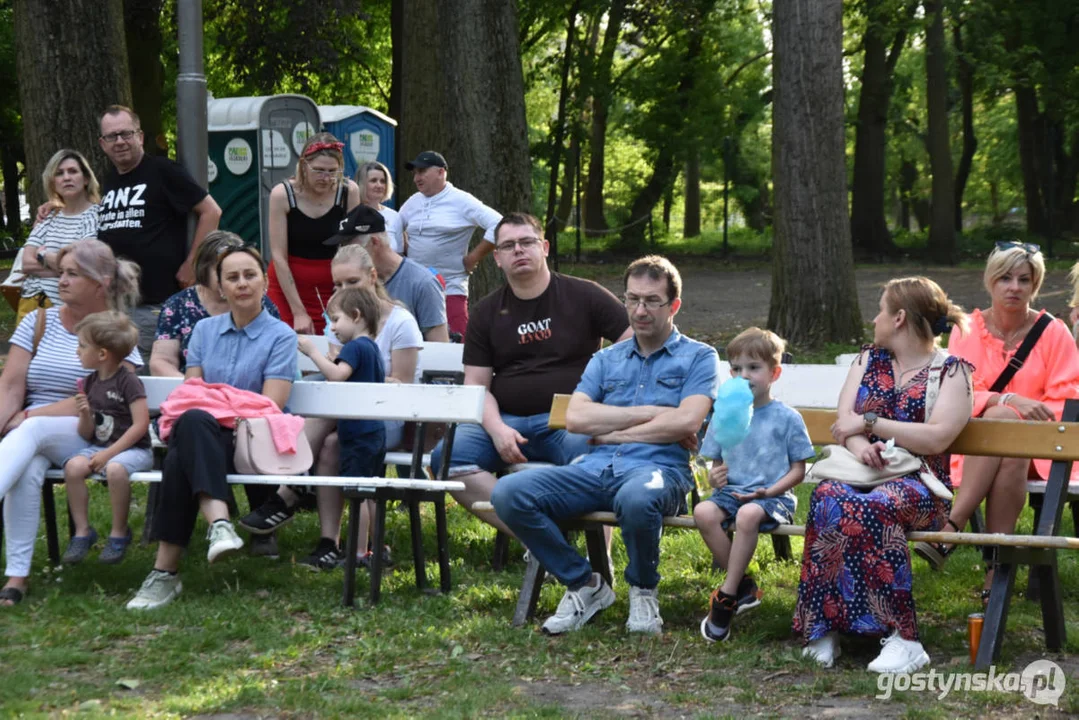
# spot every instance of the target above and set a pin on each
(451, 404)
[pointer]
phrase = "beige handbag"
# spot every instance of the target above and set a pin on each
(256, 453)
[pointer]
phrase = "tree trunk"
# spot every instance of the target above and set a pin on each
(965, 75)
(908, 175)
(421, 125)
(558, 133)
(72, 63)
(9, 164)
(942, 245)
(566, 194)
(691, 223)
(397, 35)
(487, 143)
(869, 228)
(1031, 154)
(668, 203)
(814, 298)
(142, 25)
(595, 219)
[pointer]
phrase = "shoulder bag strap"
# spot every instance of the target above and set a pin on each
(933, 381)
(39, 329)
(1022, 353)
(290, 194)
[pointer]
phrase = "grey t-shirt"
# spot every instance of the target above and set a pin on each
(419, 290)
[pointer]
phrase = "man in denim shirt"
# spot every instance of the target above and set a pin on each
(642, 401)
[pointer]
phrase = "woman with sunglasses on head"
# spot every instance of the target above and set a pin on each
(305, 210)
(183, 310)
(376, 187)
(71, 214)
(998, 339)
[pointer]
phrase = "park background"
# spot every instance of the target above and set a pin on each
(844, 142)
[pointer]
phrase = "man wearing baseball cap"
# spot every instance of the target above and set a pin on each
(440, 220)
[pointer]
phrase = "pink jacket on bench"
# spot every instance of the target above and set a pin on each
(227, 404)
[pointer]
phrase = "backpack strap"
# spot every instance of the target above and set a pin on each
(1020, 357)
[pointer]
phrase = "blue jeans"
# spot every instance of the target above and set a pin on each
(533, 501)
(473, 449)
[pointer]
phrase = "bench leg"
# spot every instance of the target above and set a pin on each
(351, 545)
(417, 541)
(1033, 585)
(51, 533)
(996, 616)
(379, 528)
(1052, 604)
(781, 546)
(500, 556)
(1075, 517)
(597, 553)
(530, 592)
(443, 534)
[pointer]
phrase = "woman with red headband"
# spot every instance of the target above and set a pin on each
(305, 210)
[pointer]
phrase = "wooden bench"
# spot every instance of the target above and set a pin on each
(1058, 441)
(450, 404)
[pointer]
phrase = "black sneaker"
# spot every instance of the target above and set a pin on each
(326, 556)
(265, 546)
(716, 625)
(269, 516)
(749, 595)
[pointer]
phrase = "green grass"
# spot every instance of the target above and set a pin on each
(262, 637)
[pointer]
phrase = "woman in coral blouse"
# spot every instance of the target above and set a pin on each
(1049, 376)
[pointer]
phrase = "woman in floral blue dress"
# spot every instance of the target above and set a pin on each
(856, 570)
(182, 311)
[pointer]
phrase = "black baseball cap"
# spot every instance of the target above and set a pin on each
(426, 159)
(363, 220)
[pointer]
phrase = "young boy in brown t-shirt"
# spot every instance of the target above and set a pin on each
(114, 419)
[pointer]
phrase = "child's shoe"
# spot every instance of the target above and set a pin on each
(716, 625)
(79, 548)
(748, 594)
(115, 549)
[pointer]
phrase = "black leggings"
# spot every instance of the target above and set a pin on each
(200, 456)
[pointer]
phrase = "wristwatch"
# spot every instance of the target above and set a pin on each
(42, 257)
(870, 419)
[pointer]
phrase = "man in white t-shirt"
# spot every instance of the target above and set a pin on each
(440, 220)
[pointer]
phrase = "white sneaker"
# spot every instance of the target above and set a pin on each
(223, 540)
(158, 589)
(899, 656)
(824, 650)
(578, 606)
(644, 611)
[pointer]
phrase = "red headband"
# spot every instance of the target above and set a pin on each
(319, 146)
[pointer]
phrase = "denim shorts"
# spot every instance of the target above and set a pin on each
(133, 460)
(779, 510)
(473, 449)
(362, 458)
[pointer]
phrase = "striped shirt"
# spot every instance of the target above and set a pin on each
(55, 370)
(52, 234)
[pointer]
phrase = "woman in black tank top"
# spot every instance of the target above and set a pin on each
(305, 210)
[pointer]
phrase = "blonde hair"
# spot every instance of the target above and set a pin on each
(928, 309)
(1005, 260)
(361, 179)
(1073, 278)
(307, 155)
(356, 254)
(759, 344)
(110, 330)
(360, 301)
(48, 176)
(95, 260)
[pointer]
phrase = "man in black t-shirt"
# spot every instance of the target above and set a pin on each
(144, 207)
(527, 341)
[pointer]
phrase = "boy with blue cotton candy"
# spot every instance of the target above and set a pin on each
(755, 467)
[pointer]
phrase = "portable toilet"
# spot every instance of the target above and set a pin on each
(367, 135)
(253, 144)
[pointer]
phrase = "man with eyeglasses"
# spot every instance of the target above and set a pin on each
(642, 402)
(440, 220)
(143, 217)
(526, 341)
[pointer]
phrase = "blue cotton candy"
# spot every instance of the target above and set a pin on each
(732, 412)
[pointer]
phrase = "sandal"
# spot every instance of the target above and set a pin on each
(936, 554)
(12, 595)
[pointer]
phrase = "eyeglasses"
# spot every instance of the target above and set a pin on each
(319, 172)
(650, 303)
(124, 135)
(1030, 248)
(509, 246)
